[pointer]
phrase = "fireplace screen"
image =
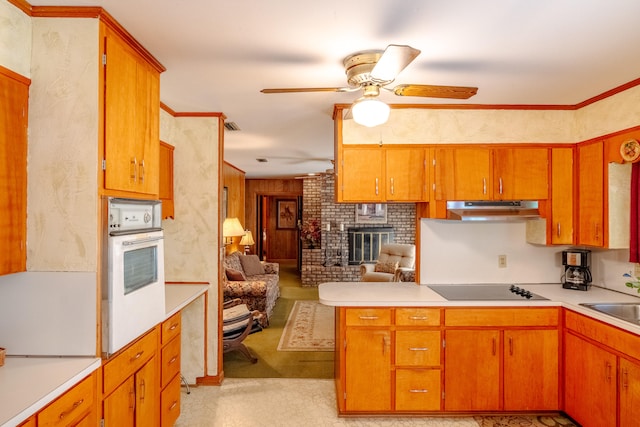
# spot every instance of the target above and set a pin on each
(364, 243)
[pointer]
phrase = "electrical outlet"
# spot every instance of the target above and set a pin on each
(636, 270)
(502, 261)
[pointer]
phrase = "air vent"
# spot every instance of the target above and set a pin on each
(262, 160)
(232, 126)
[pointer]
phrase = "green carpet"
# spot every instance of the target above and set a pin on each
(271, 362)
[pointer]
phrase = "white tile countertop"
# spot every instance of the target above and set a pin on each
(393, 294)
(28, 384)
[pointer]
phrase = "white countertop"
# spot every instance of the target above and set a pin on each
(27, 384)
(393, 294)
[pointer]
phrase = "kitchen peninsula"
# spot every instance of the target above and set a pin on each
(404, 349)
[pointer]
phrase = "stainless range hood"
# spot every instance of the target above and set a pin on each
(481, 210)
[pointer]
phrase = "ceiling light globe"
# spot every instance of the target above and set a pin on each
(370, 112)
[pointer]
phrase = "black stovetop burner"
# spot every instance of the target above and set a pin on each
(485, 293)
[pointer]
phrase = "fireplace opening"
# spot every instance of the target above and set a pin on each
(364, 243)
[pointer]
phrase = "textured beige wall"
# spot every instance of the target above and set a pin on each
(191, 239)
(62, 199)
(15, 39)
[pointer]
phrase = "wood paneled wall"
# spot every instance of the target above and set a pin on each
(234, 179)
(282, 244)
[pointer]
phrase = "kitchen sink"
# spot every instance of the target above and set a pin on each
(629, 311)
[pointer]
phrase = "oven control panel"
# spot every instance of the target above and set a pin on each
(132, 215)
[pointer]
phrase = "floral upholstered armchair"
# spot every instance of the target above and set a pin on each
(253, 282)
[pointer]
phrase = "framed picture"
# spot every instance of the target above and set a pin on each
(371, 213)
(287, 214)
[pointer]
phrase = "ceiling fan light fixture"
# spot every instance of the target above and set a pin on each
(370, 112)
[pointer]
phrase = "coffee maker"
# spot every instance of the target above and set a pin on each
(576, 269)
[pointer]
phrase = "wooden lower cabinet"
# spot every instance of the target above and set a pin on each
(170, 371)
(629, 392)
(76, 408)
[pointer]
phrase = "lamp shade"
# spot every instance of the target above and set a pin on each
(247, 239)
(369, 111)
(232, 228)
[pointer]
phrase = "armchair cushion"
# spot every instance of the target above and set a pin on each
(251, 265)
(386, 267)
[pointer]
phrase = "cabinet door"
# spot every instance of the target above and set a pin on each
(119, 406)
(590, 383)
(472, 370)
(590, 195)
(165, 189)
(629, 393)
(361, 178)
(562, 196)
(368, 370)
(14, 102)
(147, 395)
(521, 173)
(463, 174)
(147, 107)
(531, 363)
(405, 174)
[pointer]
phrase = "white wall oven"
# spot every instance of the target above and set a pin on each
(133, 301)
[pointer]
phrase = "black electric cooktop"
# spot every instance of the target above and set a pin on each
(485, 293)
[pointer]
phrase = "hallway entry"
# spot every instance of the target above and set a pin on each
(278, 218)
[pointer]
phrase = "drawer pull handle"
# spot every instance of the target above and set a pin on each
(175, 325)
(418, 390)
(137, 356)
(73, 408)
(419, 348)
(173, 405)
(368, 317)
(419, 317)
(173, 359)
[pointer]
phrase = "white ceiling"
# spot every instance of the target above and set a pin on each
(219, 54)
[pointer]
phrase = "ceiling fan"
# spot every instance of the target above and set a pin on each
(374, 70)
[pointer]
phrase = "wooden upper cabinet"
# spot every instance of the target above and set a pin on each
(591, 194)
(361, 175)
(165, 191)
(132, 108)
(521, 173)
(405, 174)
(14, 102)
(562, 196)
(463, 173)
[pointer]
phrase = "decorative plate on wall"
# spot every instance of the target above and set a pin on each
(630, 150)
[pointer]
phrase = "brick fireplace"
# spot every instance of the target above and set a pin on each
(331, 261)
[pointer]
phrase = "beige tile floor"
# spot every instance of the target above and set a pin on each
(280, 402)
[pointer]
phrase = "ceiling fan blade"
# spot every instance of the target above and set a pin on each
(431, 91)
(309, 89)
(394, 59)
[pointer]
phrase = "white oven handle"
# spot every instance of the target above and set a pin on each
(141, 241)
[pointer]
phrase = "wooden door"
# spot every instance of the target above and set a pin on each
(14, 103)
(361, 175)
(472, 376)
(119, 406)
(463, 174)
(590, 383)
(148, 395)
(562, 196)
(368, 369)
(531, 363)
(590, 194)
(629, 391)
(521, 174)
(405, 174)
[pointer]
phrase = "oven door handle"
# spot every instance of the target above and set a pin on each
(141, 241)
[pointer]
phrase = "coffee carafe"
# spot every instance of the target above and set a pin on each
(577, 274)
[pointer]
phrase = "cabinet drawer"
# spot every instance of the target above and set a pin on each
(418, 348)
(170, 403)
(122, 366)
(170, 360)
(622, 341)
(171, 328)
(501, 316)
(72, 406)
(368, 316)
(418, 316)
(418, 390)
